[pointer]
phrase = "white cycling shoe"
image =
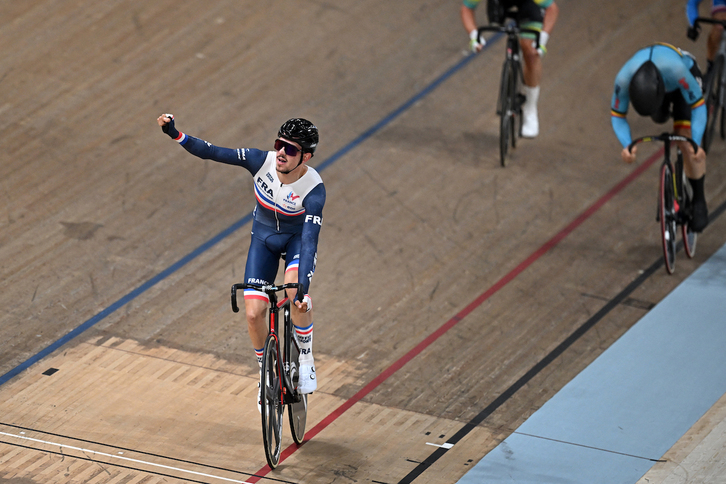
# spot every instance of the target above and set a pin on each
(530, 124)
(308, 382)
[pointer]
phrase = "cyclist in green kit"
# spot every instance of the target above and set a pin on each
(539, 15)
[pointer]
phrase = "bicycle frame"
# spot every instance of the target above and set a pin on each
(277, 386)
(674, 200)
(512, 31)
(288, 391)
(667, 139)
(510, 99)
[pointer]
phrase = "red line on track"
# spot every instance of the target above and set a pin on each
(388, 372)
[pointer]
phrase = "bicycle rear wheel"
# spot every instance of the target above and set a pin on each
(272, 406)
(297, 410)
(506, 95)
(711, 96)
(667, 218)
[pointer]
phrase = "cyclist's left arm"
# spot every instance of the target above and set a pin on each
(692, 93)
(313, 203)
(698, 122)
(552, 11)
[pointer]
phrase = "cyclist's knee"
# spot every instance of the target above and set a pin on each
(529, 53)
(255, 311)
(290, 277)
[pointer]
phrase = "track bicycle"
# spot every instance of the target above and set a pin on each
(675, 200)
(279, 374)
(510, 101)
(714, 88)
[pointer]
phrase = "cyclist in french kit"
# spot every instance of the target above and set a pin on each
(287, 221)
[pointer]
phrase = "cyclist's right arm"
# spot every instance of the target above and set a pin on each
(250, 159)
(619, 107)
(692, 11)
(468, 18)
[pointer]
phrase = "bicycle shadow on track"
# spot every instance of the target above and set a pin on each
(332, 460)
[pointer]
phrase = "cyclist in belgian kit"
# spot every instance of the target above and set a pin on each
(661, 81)
(718, 12)
(287, 221)
(539, 15)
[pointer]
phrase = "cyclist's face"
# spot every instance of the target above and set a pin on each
(285, 159)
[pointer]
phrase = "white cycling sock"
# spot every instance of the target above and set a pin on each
(532, 95)
(305, 340)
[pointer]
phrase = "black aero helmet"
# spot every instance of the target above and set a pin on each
(647, 89)
(301, 131)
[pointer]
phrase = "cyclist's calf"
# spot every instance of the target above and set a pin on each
(532, 63)
(256, 312)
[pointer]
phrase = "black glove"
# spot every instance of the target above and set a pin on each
(169, 128)
(692, 33)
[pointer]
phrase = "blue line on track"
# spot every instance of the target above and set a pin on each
(235, 226)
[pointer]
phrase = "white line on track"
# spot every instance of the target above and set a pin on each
(446, 446)
(88, 451)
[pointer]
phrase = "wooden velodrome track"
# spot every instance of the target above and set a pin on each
(424, 232)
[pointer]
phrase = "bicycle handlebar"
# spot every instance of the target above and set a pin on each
(666, 138)
(706, 20)
(694, 31)
(267, 289)
(510, 29)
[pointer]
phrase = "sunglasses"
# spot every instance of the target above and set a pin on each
(290, 150)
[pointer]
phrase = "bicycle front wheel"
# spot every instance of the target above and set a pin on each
(711, 96)
(667, 218)
(506, 96)
(272, 406)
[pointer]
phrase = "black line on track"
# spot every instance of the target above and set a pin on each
(544, 362)
(589, 447)
(126, 449)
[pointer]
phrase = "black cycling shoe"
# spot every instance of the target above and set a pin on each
(699, 221)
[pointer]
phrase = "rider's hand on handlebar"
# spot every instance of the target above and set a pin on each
(306, 305)
(628, 156)
(699, 156)
(693, 32)
(476, 42)
(166, 121)
(543, 38)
